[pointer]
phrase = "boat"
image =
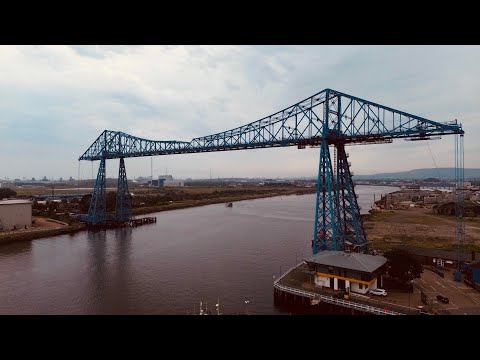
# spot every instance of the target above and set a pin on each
(229, 204)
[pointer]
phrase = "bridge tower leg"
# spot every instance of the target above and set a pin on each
(337, 214)
(325, 225)
(338, 223)
(97, 212)
(350, 224)
(123, 208)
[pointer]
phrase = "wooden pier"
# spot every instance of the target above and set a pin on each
(114, 224)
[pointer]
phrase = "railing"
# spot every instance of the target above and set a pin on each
(287, 272)
(330, 299)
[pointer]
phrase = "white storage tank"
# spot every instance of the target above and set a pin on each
(15, 214)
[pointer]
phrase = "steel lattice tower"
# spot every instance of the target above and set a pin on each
(325, 209)
(349, 222)
(97, 212)
(123, 207)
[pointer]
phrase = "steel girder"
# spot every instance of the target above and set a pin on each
(355, 121)
(123, 206)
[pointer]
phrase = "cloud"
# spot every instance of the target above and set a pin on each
(57, 99)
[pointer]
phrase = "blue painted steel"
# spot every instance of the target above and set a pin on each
(350, 227)
(356, 121)
(123, 206)
(97, 212)
(324, 237)
(326, 118)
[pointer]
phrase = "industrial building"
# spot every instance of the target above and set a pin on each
(438, 257)
(166, 180)
(473, 274)
(347, 271)
(15, 214)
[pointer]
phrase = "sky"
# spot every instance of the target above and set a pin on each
(56, 100)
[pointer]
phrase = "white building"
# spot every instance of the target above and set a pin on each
(167, 180)
(430, 199)
(15, 214)
(347, 271)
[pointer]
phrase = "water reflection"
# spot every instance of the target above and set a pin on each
(97, 269)
(16, 248)
(121, 291)
(109, 271)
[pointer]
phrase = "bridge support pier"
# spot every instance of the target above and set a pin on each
(97, 212)
(338, 224)
(123, 207)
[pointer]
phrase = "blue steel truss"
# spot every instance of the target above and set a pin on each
(350, 232)
(324, 231)
(324, 119)
(349, 119)
(123, 206)
(97, 212)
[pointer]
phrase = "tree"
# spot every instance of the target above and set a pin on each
(111, 201)
(85, 203)
(403, 265)
(7, 192)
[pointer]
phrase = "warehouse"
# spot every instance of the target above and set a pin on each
(15, 214)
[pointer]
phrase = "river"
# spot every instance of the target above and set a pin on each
(206, 253)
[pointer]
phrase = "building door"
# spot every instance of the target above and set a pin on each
(331, 283)
(341, 284)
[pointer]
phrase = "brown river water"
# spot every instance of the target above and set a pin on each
(210, 253)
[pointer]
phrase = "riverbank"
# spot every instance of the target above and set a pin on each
(183, 204)
(203, 196)
(419, 226)
(40, 233)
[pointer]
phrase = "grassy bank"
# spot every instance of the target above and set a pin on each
(419, 227)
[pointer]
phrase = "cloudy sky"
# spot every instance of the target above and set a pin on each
(56, 100)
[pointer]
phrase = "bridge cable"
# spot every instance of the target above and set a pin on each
(434, 162)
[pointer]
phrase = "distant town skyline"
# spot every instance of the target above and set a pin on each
(437, 173)
(57, 99)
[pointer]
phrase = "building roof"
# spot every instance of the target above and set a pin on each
(348, 260)
(438, 253)
(13, 202)
(466, 203)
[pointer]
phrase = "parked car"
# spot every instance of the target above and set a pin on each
(379, 292)
(443, 299)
